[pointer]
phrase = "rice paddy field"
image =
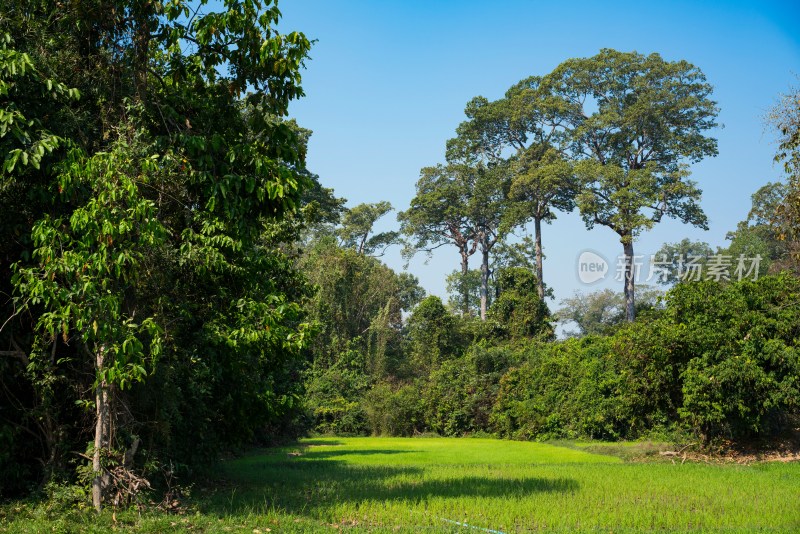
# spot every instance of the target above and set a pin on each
(459, 485)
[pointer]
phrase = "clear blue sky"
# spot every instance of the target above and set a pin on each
(388, 81)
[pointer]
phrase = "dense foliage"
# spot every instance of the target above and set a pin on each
(146, 164)
(718, 361)
(179, 284)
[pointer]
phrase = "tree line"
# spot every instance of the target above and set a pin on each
(710, 362)
(612, 135)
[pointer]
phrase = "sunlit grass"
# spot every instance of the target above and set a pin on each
(437, 484)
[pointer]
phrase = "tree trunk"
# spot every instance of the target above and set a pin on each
(102, 430)
(630, 274)
(484, 281)
(464, 286)
(141, 45)
(537, 230)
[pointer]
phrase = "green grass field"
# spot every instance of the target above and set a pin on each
(463, 485)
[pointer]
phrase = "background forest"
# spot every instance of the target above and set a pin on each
(178, 285)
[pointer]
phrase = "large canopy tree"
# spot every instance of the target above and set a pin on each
(634, 123)
(438, 215)
(461, 203)
(487, 208)
(148, 249)
(522, 131)
(357, 226)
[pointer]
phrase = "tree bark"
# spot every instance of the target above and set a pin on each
(537, 230)
(464, 287)
(102, 430)
(141, 46)
(484, 280)
(630, 274)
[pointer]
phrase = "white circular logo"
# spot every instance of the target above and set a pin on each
(591, 267)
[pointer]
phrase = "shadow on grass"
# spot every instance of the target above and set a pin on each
(309, 484)
(312, 455)
(319, 441)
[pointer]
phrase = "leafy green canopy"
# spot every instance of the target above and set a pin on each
(634, 121)
(521, 133)
(357, 225)
(439, 214)
(633, 124)
(146, 246)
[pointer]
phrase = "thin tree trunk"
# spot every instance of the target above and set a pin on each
(464, 287)
(48, 425)
(630, 274)
(537, 230)
(141, 43)
(102, 430)
(484, 281)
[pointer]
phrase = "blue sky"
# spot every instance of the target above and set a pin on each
(388, 81)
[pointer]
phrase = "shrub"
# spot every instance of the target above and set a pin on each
(745, 378)
(565, 389)
(459, 395)
(393, 411)
(518, 309)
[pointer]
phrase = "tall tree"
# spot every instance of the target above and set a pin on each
(462, 203)
(785, 119)
(85, 279)
(356, 230)
(487, 209)
(634, 123)
(523, 131)
(438, 216)
(542, 183)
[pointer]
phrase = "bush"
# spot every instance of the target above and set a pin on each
(567, 389)
(433, 336)
(393, 411)
(459, 395)
(745, 378)
(743, 394)
(720, 360)
(334, 394)
(518, 309)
